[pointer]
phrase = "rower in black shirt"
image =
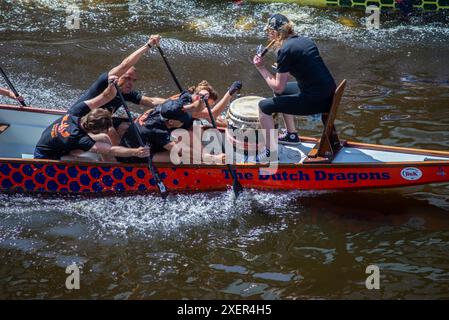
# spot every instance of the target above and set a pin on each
(297, 56)
(156, 126)
(98, 86)
(72, 135)
(127, 76)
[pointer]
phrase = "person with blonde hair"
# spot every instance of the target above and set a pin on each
(314, 88)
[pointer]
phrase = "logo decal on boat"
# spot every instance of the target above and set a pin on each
(411, 173)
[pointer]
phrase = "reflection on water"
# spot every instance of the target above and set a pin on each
(265, 245)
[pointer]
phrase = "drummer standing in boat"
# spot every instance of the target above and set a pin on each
(127, 76)
(313, 91)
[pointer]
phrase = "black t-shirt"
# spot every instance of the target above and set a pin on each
(94, 90)
(300, 56)
(61, 137)
(152, 129)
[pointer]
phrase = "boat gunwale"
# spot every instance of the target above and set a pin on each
(224, 166)
(32, 109)
(347, 144)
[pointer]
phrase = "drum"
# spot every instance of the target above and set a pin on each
(242, 117)
(243, 113)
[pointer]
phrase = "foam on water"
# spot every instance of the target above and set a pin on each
(42, 92)
(146, 214)
(219, 19)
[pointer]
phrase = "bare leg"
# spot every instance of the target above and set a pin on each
(102, 137)
(289, 120)
(163, 156)
(81, 155)
(267, 123)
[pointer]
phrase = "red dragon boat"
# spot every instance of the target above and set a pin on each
(327, 164)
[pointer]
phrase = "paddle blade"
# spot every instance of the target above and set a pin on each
(237, 188)
(162, 189)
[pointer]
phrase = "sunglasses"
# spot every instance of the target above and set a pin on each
(204, 97)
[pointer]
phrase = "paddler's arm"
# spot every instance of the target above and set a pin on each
(276, 82)
(119, 151)
(134, 57)
(151, 102)
(196, 107)
(200, 111)
(107, 95)
(10, 94)
(218, 108)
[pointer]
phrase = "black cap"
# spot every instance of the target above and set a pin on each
(276, 21)
(172, 110)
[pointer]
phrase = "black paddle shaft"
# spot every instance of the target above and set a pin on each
(170, 69)
(10, 85)
(153, 169)
(237, 187)
(236, 184)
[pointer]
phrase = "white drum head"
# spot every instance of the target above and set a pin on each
(244, 112)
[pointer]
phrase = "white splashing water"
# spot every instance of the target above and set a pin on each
(150, 213)
(225, 20)
(42, 92)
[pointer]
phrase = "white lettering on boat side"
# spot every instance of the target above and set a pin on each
(411, 173)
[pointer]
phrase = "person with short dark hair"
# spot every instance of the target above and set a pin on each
(72, 135)
(127, 77)
(315, 87)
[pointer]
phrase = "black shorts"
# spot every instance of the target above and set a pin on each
(292, 101)
(129, 140)
(38, 154)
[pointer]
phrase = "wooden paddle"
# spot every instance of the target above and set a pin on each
(161, 186)
(236, 186)
(11, 87)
